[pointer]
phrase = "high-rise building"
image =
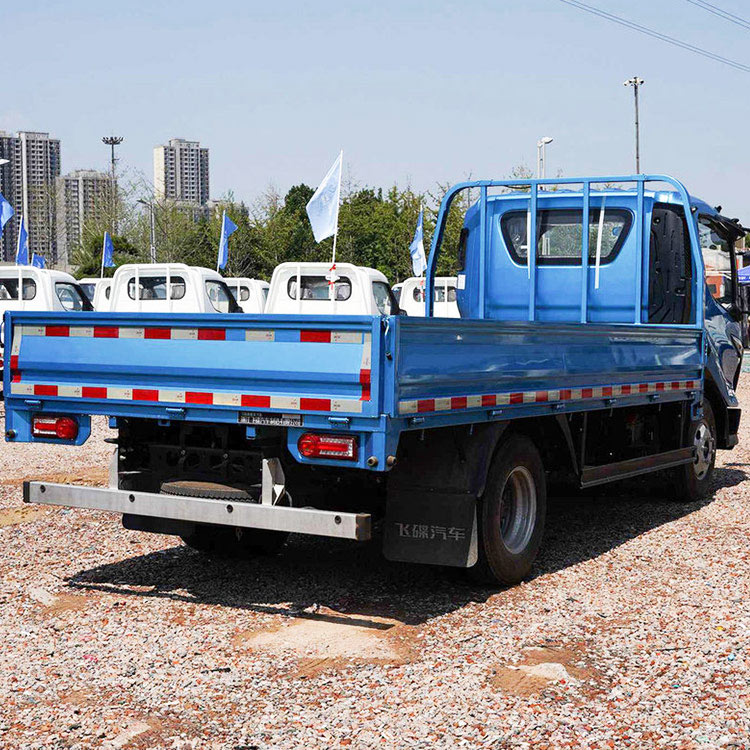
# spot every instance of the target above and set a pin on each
(82, 196)
(181, 171)
(28, 182)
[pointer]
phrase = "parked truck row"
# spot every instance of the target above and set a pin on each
(587, 349)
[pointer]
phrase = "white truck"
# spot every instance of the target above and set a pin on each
(251, 294)
(98, 292)
(411, 297)
(306, 288)
(42, 289)
(170, 288)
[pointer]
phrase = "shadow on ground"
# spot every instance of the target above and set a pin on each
(354, 579)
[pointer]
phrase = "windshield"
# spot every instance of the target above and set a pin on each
(89, 290)
(71, 297)
(222, 300)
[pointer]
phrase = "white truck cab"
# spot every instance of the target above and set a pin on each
(411, 298)
(304, 288)
(43, 289)
(98, 292)
(251, 294)
(169, 288)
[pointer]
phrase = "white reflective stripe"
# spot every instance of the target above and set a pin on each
(122, 394)
(260, 335)
(502, 398)
(553, 395)
(473, 401)
(227, 399)
(69, 391)
(131, 333)
(347, 405)
(441, 404)
(16, 346)
(82, 331)
(33, 330)
(366, 363)
(407, 407)
(529, 397)
(597, 392)
(175, 397)
(185, 334)
(285, 402)
(22, 389)
(575, 394)
(346, 337)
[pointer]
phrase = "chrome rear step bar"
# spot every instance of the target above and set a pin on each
(202, 510)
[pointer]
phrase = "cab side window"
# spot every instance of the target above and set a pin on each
(717, 259)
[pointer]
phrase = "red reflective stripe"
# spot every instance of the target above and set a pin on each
(607, 390)
(212, 334)
(626, 390)
(426, 404)
(542, 396)
(458, 402)
(45, 390)
(145, 394)
(315, 404)
(565, 394)
(13, 361)
(157, 333)
(364, 381)
(587, 392)
(676, 386)
(15, 377)
(320, 337)
(198, 397)
(57, 330)
(690, 384)
(489, 400)
(105, 332)
(643, 387)
(660, 386)
(89, 391)
(516, 398)
(257, 402)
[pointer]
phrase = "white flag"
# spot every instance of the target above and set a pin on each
(323, 207)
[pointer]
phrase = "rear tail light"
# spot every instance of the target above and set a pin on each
(63, 428)
(313, 445)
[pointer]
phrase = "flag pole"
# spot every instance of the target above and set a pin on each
(104, 243)
(20, 278)
(332, 287)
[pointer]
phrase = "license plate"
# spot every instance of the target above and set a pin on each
(270, 420)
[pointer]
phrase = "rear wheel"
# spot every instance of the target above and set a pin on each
(692, 480)
(511, 513)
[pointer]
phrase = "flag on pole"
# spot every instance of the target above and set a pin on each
(38, 260)
(418, 260)
(323, 207)
(108, 252)
(228, 227)
(6, 212)
(22, 251)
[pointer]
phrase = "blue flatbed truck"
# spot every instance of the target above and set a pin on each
(599, 356)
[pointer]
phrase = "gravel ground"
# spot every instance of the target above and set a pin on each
(632, 632)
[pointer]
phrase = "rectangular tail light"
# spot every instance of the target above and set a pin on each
(60, 428)
(320, 445)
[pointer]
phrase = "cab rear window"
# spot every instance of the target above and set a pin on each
(155, 287)
(9, 289)
(316, 288)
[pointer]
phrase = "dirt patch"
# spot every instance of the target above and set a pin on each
(54, 604)
(14, 516)
(330, 640)
(95, 476)
(543, 666)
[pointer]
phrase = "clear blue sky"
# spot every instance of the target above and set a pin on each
(414, 91)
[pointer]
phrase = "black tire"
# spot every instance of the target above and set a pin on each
(231, 542)
(511, 513)
(692, 481)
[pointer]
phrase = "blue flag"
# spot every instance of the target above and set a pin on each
(22, 251)
(418, 261)
(38, 260)
(108, 251)
(6, 212)
(228, 227)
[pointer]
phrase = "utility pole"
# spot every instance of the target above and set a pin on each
(112, 141)
(636, 82)
(541, 156)
(151, 208)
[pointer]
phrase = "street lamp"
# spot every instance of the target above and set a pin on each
(636, 82)
(112, 141)
(152, 249)
(541, 155)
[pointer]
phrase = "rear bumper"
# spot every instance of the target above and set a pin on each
(199, 510)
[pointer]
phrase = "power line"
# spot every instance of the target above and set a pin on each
(725, 14)
(657, 35)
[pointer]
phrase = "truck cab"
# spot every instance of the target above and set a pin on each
(97, 292)
(170, 288)
(411, 297)
(250, 294)
(356, 290)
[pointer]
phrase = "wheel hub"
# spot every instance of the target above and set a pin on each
(705, 447)
(518, 515)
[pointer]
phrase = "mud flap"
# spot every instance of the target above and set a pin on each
(434, 528)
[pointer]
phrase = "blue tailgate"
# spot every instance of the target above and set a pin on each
(199, 366)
